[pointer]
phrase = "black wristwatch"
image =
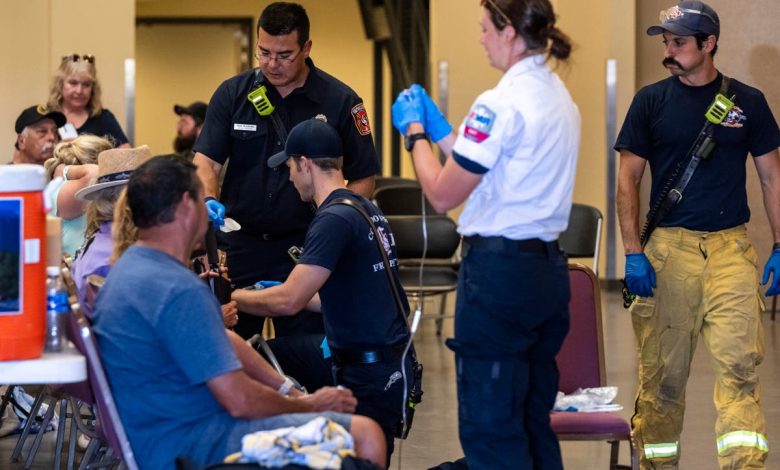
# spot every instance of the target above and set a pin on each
(409, 140)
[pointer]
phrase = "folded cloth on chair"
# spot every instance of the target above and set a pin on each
(318, 444)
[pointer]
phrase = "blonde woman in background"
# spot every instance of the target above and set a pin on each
(75, 91)
(75, 162)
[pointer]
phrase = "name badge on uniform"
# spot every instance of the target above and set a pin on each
(244, 127)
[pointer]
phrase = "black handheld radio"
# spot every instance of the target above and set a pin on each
(220, 285)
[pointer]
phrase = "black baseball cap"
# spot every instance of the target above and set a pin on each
(687, 19)
(35, 114)
(197, 110)
(314, 138)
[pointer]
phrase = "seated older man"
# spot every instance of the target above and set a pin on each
(184, 385)
(36, 130)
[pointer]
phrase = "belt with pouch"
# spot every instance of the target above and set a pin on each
(346, 357)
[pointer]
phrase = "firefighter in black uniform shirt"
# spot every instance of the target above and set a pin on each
(260, 199)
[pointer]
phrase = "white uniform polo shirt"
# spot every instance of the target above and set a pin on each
(523, 136)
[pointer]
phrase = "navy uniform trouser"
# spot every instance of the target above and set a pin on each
(511, 317)
(379, 390)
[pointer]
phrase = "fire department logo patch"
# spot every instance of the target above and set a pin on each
(479, 122)
(360, 117)
(674, 13)
(734, 118)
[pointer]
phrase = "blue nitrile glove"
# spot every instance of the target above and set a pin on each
(772, 266)
(640, 275)
(260, 285)
(436, 124)
(325, 348)
(406, 110)
(216, 211)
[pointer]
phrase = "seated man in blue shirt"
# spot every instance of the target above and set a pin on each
(366, 329)
(185, 386)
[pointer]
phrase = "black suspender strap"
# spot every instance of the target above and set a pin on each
(378, 239)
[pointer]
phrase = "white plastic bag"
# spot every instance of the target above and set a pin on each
(588, 400)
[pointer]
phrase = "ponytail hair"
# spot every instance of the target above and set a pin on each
(560, 44)
(534, 21)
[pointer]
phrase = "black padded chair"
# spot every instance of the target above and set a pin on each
(383, 181)
(582, 237)
(401, 200)
(439, 274)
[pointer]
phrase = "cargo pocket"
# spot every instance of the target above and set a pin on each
(484, 389)
(657, 253)
(642, 307)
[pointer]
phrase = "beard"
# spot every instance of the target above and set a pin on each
(184, 143)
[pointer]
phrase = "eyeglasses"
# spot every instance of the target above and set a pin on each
(675, 12)
(76, 57)
(265, 56)
(498, 10)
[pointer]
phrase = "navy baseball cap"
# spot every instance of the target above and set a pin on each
(197, 110)
(311, 139)
(38, 113)
(687, 19)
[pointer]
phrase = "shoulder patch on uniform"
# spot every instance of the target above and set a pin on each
(360, 116)
(479, 122)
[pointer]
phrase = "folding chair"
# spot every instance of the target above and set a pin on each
(581, 365)
(109, 426)
(582, 237)
(66, 395)
(440, 269)
(383, 181)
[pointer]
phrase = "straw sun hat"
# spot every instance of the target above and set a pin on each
(114, 169)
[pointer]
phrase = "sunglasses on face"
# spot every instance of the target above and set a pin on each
(76, 57)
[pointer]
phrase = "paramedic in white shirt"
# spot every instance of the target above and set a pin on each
(513, 162)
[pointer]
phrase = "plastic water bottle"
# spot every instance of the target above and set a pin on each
(56, 309)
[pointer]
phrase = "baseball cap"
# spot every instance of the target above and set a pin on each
(686, 19)
(34, 114)
(197, 110)
(313, 138)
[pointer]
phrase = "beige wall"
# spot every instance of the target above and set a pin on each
(749, 51)
(166, 56)
(35, 34)
(339, 43)
(599, 32)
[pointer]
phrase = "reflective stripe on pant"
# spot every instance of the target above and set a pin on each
(706, 282)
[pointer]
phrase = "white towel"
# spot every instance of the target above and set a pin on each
(318, 444)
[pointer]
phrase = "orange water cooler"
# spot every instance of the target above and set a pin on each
(22, 262)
